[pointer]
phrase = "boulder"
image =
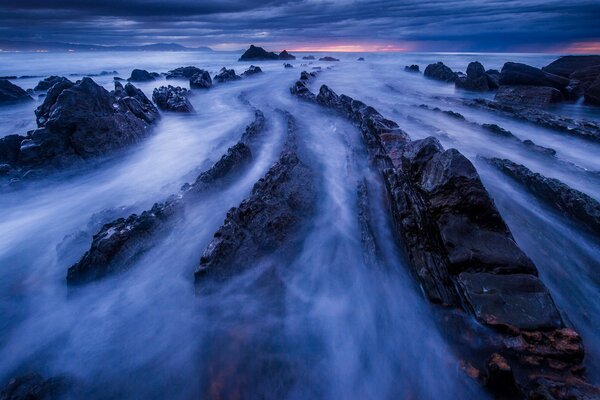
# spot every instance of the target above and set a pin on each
(328, 58)
(10, 93)
(517, 74)
(476, 79)
(493, 77)
(412, 68)
(10, 149)
(288, 66)
(141, 75)
(360, 59)
(42, 113)
(528, 96)
(566, 65)
(201, 80)
(284, 55)
(440, 72)
(309, 58)
(169, 98)
(255, 53)
(183, 73)
(253, 70)
(592, 93)
(226, 75)
(48, 82)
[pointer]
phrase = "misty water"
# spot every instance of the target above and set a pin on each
(348, 329)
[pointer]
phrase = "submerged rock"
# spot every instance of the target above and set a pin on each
(571, 202)
(412, 68)
(10, 93)
(309, 58)
(253, 70)
(255, 53)
(201, 80)
(171, 98)
(183, 73)
(440, 72)
(141, 75)
(476, 79)
(226, 75)
(288, 66)
(328, 58)
(530, 96)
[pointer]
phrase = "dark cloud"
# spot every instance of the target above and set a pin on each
(415, 24)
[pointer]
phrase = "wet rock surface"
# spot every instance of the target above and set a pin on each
(412, 68)
(516, 74)
(328, 58)
(119, 243)
(33, 386)
(201, 80)
(183, 72)
(476, 79)
(252, 70)
(567, 65)
(48, 82)
(226, 75)
(440, 72)
(531, 96)
(170, 98)
(141, 75)
(265, 222)
(10, 93)
(571, 202)
(464, 255)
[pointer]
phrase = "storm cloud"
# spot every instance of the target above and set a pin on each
(472, 25)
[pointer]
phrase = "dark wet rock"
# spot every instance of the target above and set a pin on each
(592, 93)
(538, 148)
(571, 202)
(255, 53)
(301, 89)
(583, 129)
(48, 82)
(308, 58)
(33, 386)
(565, 66)
(118, 78)
(316, 68)
(499, 376)
(550, 388)
(530, 96)
(201, 80)
(440, 72)
(498, 130)
(517, 74)
(42, 113)
(493, 78)
(360, 59)
(288, 66)
(10, 93)
(10, 149)
(171, 98)
(476, 79)
(328, 58)
(183, 72)
(119, 243)
(253, 70)
(284, 55)
(367, 235)
(265, 222)
(135, 101)
(226, 75)
(412, 68)
(141, 75)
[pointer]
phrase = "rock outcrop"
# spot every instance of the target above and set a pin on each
(309, 58)
(183, 73)
(201, 80)
(412, 68)
(255, 53)
(464, 256)
(253, 70)
(284, 55)
(567, 65)
(517, 74)
(263, 223)
(33, 386)
(170, 98)
(328, 58)
(529, 96)
(141, 75)
(476, 79)
(119, 243)
(572, 203)
(10, 93)
(440, 72)
(48, 82)
(226, 75)
(286, 65)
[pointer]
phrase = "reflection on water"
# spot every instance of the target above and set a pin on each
(351, 330)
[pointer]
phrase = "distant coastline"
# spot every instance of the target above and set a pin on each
(43, 47)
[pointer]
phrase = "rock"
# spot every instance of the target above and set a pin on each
(288, 66)
(301, 90)
(263, 223)
(308, 58)
(183, 73)
(500, 376)
(171, 98)
(284, 55)
(360, 59)
(539, 149)
(493, 78)
(529, 96)
(255, 53)
(201, 80)
(33, 386)
(10, 93)
(328, 58)
(517, 74)
(440, 72)
(571, 202)
(5, 169)
(253, 70)
(476, 79)
(134, 100)
(592, 93)
(412, 68)
(48, 82)
(119, 243)
(141, 75)
(498, 130)
(42, 113)
(10, 149)
(226, 75)
(367, 236)
(566, 65)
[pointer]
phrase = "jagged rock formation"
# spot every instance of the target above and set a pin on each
(170, 98)
(440, 72)
(573, 203)
(141, 75)
(255, 53)
(10, 93)
(263, 223)
(284, 55)
(48, 82)
(371, 252)
(464, 256)
(412, 68)
(201, 80)
(301, 89)
(226, 75)
(183, 72)
(253, 70)
(119, 243)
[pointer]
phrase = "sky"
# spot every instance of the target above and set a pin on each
(332, 25)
